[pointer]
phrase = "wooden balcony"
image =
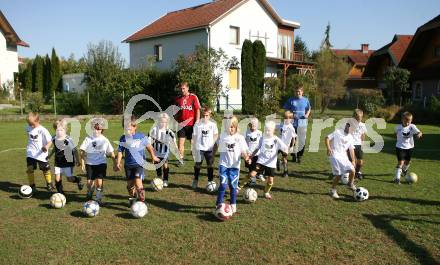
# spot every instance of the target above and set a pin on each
(291, 56)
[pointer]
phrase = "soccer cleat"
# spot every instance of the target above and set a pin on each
(253, 181)
(334, 194)
(100, 202)
(131, 200)
(234, 208)
(352, 186)
(359, 175)
(261, 178)
(285, 175)
(404, 172)
(89, 196)
(165, 183)
(49, 187)
(396, 181)
(180, 162)
(195, 184)
(80, 185)
(268, 196)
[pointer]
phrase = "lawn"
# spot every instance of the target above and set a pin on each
(302, 225)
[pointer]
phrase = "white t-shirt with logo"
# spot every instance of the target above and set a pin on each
(340, 143)
(360, 130)
(37, 138)
(203, 135)
(96, 149)
(253, 140)
(405, 136)
(287, 133)
(269, 147)
(231, 147)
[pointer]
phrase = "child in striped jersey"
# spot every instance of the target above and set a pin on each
(162, 139)
(288, 136)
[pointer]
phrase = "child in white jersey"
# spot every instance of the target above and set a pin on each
(39, 142)
(358, 137)
(253, 136)
(288, 136)
(337, 144)
(94, 152)
(205, 135)
(405, 133)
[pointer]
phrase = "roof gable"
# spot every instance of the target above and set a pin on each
(9, 32)
(356, 56)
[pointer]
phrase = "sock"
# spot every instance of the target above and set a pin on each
(398, 172)
(59, 186)
(233, 192)
(166, 172)
(196, 172)
(268, 187)
(90, 191)
(141, 194)
(159, 172)
(210, 174)
(47, 177)
(358, 168)
(99, 194)
(246, 182)
(285, 167)
(221, 194)
(31, 177)
(405, 168)
(131, 191)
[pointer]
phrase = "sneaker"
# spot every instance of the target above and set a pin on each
(352, 187)
(49, 187)
(396, 181)
(268, 196)
(234, 208)
(89, 196)
(285, 175)
(180, 162)
(261, 178)
(80, 185)
(253, 181)
(298, 160)
(334, 194)
(131, 201)
(195, 184)
(100, 202)
(165, 183)
(238, 189)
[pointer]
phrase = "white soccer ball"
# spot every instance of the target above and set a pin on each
(411, 178)
(139, 209)
(250, 195)
(223, 212)
(211, 187)
(361, 194)
(25, 192)
(345, 178)
(91, 208)
(57, 200)
(157, 184)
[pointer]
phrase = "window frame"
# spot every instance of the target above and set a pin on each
(158, 52)
(237, 35)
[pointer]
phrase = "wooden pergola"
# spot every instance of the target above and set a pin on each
(297, 62)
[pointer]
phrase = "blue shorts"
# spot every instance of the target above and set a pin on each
(134, 172)
(229, 176)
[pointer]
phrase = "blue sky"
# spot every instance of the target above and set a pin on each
(70, 25)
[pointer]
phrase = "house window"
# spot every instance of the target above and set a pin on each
(233, 79)
(285, 46)
(418, 91)
(438, 88)
(158, 53)
(234, 37)
(437, 51)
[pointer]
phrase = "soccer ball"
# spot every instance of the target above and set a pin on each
(91, 208)
(345, 178)
(25, 192)
(361, 194)
(139, 209)
(57, 200)
(157, 184)
(250, 195)
(411, 178)
(211, 187)
(223, 212)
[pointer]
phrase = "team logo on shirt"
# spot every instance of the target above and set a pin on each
(406, 134)
(253, 139)
(231, 147)
(94, 144)
(33, 137)
(267, 146)
(205, 133)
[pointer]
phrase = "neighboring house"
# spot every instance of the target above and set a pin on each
(387, 56)
(357, 59)
(9, 40)
(219, 24)
(422, 59)
(74, 83)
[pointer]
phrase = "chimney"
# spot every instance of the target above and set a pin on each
(364, 48)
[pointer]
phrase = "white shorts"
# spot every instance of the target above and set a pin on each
(64, 171)
(340, 165)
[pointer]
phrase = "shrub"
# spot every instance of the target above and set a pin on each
(35, 102)
(388, 113)
(71, 104)
(272, 97)
(370, 100)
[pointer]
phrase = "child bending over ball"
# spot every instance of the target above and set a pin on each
(66, 156)
(133, 144)
(405, 133)
(337, 144)
(288, 136)
(39, 142)
(94, 152)
(358, 137)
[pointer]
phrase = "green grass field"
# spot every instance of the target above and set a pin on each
(302, 225)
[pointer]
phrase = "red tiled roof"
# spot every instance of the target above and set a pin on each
(9, 32)
(398, 48)
(356, 56)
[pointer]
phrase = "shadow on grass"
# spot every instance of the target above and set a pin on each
(78, 214)
(411, 200)
(425, 147)
(125, 215)
(209, 217)
(384, 223)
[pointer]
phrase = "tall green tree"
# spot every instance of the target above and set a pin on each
(259, 58)
(55, 72)
(247, 77)
(301, 46)
(38, 74)
(397, 80)
(27, 77)
(326, 44)
(47, 78)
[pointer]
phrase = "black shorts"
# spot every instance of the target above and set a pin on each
(32, 162)
(208, 156)
(133, 172)
(358, 153)
(267, 171)
(96, 171)
(404, 154)
(253, 165)
(185, 132)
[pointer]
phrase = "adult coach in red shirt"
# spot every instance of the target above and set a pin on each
(189, 112)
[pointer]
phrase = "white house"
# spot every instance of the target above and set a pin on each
(9, 40)
(218, 24)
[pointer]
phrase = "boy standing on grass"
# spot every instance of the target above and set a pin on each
(66, 157)
(253, 136)
(288, 135)
(94, 152)
(232, 146)
(133, 145)
(358, 137)
(337, 144)
(39, 142)
(405, 133)
(204, 137)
